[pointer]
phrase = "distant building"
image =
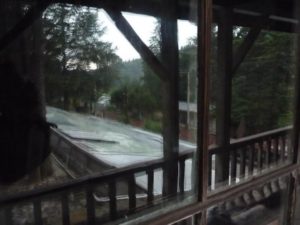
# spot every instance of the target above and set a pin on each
(101, 105)
(188, 123)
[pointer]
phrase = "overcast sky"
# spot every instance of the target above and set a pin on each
(144, 26)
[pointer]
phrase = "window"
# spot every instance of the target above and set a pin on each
(154, 112)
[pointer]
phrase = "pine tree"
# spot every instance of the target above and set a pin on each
(72, 46)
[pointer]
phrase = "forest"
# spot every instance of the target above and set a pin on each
(79, 68)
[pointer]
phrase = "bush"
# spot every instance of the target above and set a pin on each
(152, 125)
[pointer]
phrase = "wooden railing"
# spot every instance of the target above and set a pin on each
(89, 187)
(252, 154)
(248, 156)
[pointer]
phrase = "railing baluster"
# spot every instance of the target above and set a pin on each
(289, 149)
(282, 152)
(8, 216)
(37, 212)
(251, 159)
(263, 151)
(150, 195)
(259, 156)
(90, 205)
(194, 173)
(242, 162)
(65, 208)
(276, 149)
(181, 175)
(268, 152)
(132, 193)
(112, 199)
(209, 170)
(233, 165)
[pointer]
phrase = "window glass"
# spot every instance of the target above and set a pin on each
(263, 205)
(252, 95)
(107, 114)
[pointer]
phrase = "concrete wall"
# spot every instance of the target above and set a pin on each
(73, 156)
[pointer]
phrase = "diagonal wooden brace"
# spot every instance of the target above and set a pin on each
(146, 54)
(247, 44)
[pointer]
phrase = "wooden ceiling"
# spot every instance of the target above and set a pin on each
(281, 14)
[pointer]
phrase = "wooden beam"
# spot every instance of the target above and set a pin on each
(150, 8)
(250, 18)
(146, 54)
(133, 6)
(170, 89)
(223, 104)
(34, 13)
(272, 24)
(154, 9)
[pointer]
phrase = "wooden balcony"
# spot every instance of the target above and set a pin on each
(252, 155)
(249, 156)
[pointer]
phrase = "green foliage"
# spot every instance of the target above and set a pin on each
(285, 119)
(130, 70)
(119, 99)
(72, 37)
(152, 85)
(152, 125)
(151, 81)
(133, 100)
(187, 72)
(262, 87)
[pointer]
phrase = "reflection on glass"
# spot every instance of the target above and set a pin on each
(104, 82)
(251, 101)
(187, 81)
(263, 205)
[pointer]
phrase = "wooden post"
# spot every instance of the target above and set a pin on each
(8, 216)
(65, 208)
(150, 195)
(112, 193)
(169, 55)
(204, 20)
(37, 212)
(90, 205)
(223, 105)
(290, 202)
(131, 193)
(293, 181)
(296, 122)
